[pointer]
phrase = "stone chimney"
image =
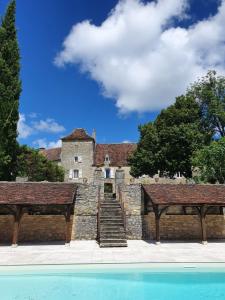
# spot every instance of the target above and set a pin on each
(94, 134)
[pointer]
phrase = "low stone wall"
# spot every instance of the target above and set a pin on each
(42, 228)
(6, 228)
(181, 227)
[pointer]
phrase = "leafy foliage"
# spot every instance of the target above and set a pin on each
(210, 163)
(10, 89)
(32, 164)
(209, 93)
(167, 144)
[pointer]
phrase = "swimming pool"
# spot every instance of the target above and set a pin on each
(107, 282)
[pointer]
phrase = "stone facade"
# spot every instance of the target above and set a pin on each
(183, 227)
(78, 156)
(85, 212)
(133, 200)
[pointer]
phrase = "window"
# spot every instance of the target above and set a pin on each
(75, 173)
(77, 159)
(107, 173)
(107, 157)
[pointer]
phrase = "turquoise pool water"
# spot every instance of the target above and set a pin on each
(130, 284)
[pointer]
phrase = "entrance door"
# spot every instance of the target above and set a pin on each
(108, 188)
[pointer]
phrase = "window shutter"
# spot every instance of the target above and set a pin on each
(79, 158)
(71, 174)
(80, 173)
(104, 173)
(112, 175)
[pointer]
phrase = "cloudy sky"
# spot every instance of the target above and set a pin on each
(110, 65)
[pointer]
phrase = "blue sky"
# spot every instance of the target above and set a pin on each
(114, 72)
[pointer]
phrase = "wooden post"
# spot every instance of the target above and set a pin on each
(67, 217)
(17, 219)
(203, 224)
(157, 224)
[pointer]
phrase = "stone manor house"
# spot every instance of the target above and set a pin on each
(99, 200)
(80, 155)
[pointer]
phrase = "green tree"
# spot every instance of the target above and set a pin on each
(167, 144)
(10, 89)
(32, 164)
(145, 160)
(209, 163)
(209, 93)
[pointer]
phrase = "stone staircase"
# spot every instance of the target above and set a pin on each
(112, 229)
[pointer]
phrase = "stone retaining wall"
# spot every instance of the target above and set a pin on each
(181, 227)
(132, 197)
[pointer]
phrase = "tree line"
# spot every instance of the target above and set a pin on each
(188, 137)
(16, 160)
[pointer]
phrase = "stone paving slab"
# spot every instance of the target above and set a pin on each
(137, 251)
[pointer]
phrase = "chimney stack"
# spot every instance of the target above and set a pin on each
(94, 134)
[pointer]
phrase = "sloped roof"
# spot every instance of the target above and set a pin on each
(52, 154)
(39, 193)
(118, 153)
(173, 194)
(78, 134)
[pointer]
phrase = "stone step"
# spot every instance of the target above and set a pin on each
(111, 205)
(114, 201)
(119, 236)
(111, 227)
(110, 222)
(112, 233)
(109, 240)
(109, 245)
(110, 217)
(111, 209)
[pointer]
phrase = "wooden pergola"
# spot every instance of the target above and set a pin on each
(201, 197)
(20, 197)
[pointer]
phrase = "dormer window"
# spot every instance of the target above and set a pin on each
(107, 158)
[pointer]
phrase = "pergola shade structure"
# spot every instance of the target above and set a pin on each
(201, 197)
(23, 197)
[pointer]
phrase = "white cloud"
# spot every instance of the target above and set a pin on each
(126, 142)
(48, 125)
(24, 129)
(27, 128)
(140, 58)
(43, 143)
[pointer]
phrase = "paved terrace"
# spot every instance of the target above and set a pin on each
(137, 251)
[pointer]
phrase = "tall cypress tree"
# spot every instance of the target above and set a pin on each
(10, 89)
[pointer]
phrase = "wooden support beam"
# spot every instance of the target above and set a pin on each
(203, 223)
(67, 217)
(17, 219)
(157, 224)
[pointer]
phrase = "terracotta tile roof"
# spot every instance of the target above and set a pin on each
(118, 153)
(39, 193)
(173, 194)
(52, 154)
(78, 134)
